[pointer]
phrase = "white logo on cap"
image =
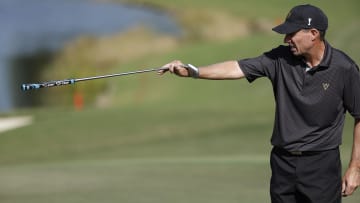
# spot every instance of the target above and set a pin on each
(309, 20)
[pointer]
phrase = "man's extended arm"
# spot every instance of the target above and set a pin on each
(218, 71)
(351, 179)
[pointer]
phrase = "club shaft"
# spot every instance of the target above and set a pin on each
(118, 74)
(26, 87)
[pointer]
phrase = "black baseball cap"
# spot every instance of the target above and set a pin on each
(303, 17)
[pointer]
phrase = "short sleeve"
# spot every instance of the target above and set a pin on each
(261, 66)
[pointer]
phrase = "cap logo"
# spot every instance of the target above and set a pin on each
(309, 21)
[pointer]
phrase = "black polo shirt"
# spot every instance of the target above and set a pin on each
(310, 105)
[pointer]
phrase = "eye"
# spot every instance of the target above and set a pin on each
(291, 34)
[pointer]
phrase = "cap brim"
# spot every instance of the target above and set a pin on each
(286, 28)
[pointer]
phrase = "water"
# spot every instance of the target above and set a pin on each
(28, 26)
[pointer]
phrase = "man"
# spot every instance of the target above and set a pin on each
(314, 85)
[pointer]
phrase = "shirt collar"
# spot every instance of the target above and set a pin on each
(325, 62)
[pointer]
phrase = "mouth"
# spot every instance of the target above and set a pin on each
(292, 48)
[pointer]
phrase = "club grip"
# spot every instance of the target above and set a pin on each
(25, 87)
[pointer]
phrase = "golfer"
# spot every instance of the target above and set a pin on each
(314, 85)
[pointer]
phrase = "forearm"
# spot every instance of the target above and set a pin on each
(355, 156)
(351, 179)
(221, 71)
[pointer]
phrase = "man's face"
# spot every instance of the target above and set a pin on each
(300, 42)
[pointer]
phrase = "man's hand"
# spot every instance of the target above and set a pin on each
(351, 180)
(176, 67)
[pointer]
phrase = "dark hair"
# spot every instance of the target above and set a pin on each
(322, 35)
(321, 32)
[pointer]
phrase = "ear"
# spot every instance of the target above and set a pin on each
(315, 34)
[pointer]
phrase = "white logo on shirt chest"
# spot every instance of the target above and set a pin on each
(326, 85)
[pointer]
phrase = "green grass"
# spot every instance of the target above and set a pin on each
(134, 181)
(164, 139)
(140, 155)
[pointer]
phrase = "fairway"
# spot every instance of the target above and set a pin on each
(152, 161)
(210, 179)
(179, 180)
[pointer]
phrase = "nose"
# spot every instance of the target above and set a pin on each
(287, 38)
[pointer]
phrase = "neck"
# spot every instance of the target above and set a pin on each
(316, 54)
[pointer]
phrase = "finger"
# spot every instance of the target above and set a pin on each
(176, 67)
(343, 189)
(181, 71)
(168, 67)
(349, 190)
(177, 63)
(162, 70)
(165, 68)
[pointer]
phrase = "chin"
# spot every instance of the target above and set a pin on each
(296, 53)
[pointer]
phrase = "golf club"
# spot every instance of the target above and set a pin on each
(25, 87)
